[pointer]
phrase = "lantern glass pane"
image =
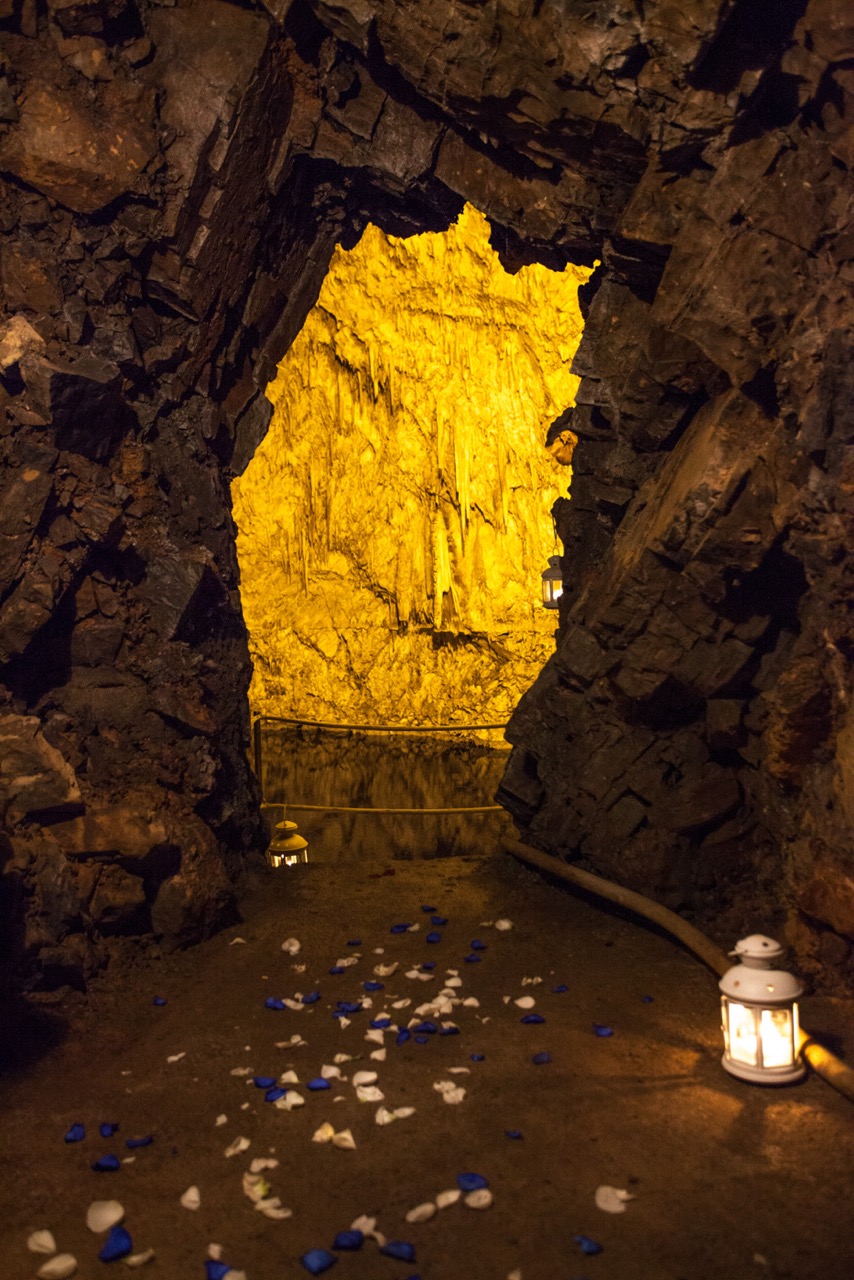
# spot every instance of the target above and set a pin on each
(743, 1040)
(775, 1030)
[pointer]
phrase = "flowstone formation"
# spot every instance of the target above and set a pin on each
(175, 178)
(395, 520)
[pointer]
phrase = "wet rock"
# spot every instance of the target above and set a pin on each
(36, 782)
(80, 157)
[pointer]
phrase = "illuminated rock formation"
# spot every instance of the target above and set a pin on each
(396, 518)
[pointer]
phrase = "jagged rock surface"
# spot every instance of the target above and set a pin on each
(174, 180)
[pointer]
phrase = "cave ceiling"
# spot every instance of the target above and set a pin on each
(175, 178)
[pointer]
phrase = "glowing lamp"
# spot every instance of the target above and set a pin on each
(287, 848)
(552, 581)
(759, 1013)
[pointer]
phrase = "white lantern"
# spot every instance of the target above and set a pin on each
(760, 1015)
(287, 848)
(552, 581)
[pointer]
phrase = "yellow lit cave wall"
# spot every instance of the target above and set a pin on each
(394, 523)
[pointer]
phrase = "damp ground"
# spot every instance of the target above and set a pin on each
(730, 1181)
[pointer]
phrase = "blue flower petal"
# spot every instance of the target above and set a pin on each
(540, 1058)
(449, 1031)
(317, 1084)
(439, 921)
(428, 965)
(513, 1133)
(374, 986)
(400, 928)
(477, 1057)
(311, 998)
(107, 1130)
(215, 1270)
(588, 1246)
(159, 1001)
(318, 1260)
(133, 1143)
(433, 937)
(377, 1023)
(337, 968)
(399, 1249)
(118, 1244)
(428, 909)
(107, 1164)
(472, 959)
(428, 1028)
(354, 942)
(273, 1003)
(477, 945)
(403, 1035)
(421, 1039)
(601, 1030)
(532, 1018)
(273, 1095)
(263, 1082)
(348, 1240)
(76, 1133)
(349, 1006)
(471, 1181)
(560, 989)
(646, 999)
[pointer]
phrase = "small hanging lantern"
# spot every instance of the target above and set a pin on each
(287, 848)
(552, 582)
(760, 1015)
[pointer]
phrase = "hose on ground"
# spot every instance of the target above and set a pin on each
(823, 1062)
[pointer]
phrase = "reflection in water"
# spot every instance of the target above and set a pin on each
(342, 768)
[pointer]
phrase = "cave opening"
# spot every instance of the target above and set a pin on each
(394, 522)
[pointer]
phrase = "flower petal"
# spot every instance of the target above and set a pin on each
(118, 1244)
(103, 1214)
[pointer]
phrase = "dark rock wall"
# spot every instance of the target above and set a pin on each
(174, 178)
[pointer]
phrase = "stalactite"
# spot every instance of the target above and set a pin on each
(407, 439)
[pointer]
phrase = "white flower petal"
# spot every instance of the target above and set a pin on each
(612, 1199)
(525, 1002)
(260, 1163)
(379, 1055)
(103, 1214)
(41, 1242)
(369, 1093)
(364, 1077)
(344, 1140)
(446, 1198)
(191, 1199)
(503, 925)
(220, 1120)
(291, 946)
(325, 1133)
(235, 1148)
(480, 1199)
(421, 1212)
(59, 1267)
(139, 1259)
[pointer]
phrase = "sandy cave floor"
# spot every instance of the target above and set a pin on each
(731, 1181)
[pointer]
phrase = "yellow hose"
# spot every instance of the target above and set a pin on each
(822, 1061)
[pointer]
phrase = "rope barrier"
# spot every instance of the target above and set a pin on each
(342, 808)
(382, 728)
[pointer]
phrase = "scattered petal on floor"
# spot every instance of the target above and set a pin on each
(612, 1199)
(539, 1059)
(221, 1120)
(316, 1261)
(344, 1140)
(514, 1275)
(318, 1084)
(106, 1164)
(503, 925)
(451, 1093)
(107, 1130)
(291, 946)
(481, 1199)
(215, 1269)
(400, 1249)
(588, 1246)
(235, 1148)
(191, 1199)
(289, 1101)
(525, 1002)
(349, 1240)
(471, 1181)
(176, 1057)
(386, 970)
(58, 1268)
(255, 1186)
(260, 1163)
(76, 1133)
(41, 1242)
(446, 1198)
(133, 1143)
(379, 1055)
(513, 1133)
(369, 1093)
(139, 1259)
(328, 1072)
(237, 941)
(118, 1244)
(421, 1212)
(325, 1133)
(601, 1030)
(532, 1019)
(103, 1214)
(159, 1001)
